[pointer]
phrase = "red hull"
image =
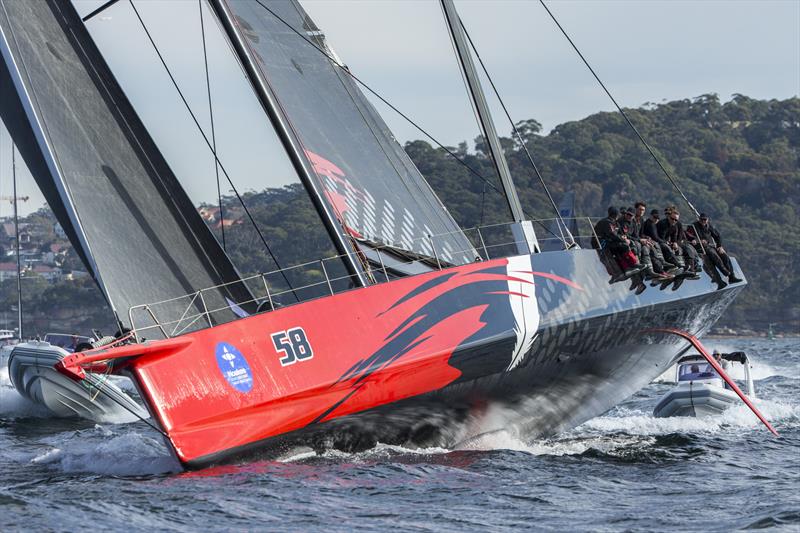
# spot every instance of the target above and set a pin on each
(203, 413)
(491, 326)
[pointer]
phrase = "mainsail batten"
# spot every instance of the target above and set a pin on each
(109, 185)
(361, 173)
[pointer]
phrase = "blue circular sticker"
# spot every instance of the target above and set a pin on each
(234, 367)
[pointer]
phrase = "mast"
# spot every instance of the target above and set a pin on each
(16, 232)
(522, 228)
(288, 137)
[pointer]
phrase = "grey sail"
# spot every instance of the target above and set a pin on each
(376, 192)
(100, 171)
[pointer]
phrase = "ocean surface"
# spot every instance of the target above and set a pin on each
(624, 470)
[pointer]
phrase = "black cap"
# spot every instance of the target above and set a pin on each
(703, 216)
(630, 211)
(654, 212)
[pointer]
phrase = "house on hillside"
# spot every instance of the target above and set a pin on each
(76, 274)
(211, 214)
(55, 254)
(9, 235)
(8, 271)
(28, 257)
(49, 273)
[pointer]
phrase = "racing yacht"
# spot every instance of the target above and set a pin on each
(413, 323)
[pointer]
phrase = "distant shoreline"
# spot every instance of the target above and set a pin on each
(750, 336)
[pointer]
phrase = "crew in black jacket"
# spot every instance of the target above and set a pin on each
(706, 239)
(676, 237)
(650, 230)
(663, 225)
(630, 229)
(651, 249)
(607, 231)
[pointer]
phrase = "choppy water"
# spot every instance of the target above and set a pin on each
(621, 471)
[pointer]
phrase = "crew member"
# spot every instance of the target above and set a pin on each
(607, 231)
(663, 225)
(724, 363)
(708, 240)
(630, 229)
(676, 237)
(650, 247)
(650, 231)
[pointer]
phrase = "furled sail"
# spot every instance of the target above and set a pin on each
(375, 190)
(108, 184)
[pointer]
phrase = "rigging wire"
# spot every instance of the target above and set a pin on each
(99, 10)
(519, 137)
(211, 116)
(483, 203)
(16, 234)
(208, 143)
(14, 201)
(624, 115)
(101, 390)
(393, 108)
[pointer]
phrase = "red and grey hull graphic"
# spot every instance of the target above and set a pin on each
(271, 374)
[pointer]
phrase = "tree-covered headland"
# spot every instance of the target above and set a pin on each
(737, 161)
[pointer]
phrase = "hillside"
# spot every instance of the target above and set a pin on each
(738, 161)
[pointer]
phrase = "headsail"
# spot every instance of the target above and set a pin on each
(376, 192)
(108, 184)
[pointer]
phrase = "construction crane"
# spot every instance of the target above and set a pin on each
(10, 199)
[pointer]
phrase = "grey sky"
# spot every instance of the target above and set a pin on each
(644, 51)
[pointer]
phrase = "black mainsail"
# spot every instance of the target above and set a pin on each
(123, 209)
(362, 174)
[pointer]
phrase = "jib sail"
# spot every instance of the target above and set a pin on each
(109, 186)
(366, 179)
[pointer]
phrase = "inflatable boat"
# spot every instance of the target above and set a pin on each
(31, 369)
(700, 390)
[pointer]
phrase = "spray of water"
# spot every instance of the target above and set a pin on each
(104, 450)
(12, 405)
